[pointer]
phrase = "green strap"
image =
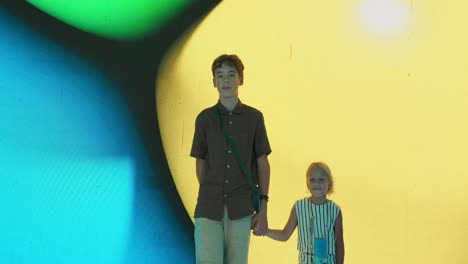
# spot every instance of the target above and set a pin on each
(234, 149)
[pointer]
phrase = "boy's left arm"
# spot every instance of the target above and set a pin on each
(260, 221)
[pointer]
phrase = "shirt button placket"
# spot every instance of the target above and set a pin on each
(228, 166)
(229, 152)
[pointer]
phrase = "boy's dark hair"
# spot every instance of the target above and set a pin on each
(231, 60)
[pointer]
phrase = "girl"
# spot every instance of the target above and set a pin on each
(319, 220)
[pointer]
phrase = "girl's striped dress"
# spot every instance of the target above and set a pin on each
(315, 221)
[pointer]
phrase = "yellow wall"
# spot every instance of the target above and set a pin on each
(384, 103)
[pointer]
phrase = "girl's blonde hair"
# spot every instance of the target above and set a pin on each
(325, 170)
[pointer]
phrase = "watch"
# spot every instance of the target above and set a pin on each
(264, 197)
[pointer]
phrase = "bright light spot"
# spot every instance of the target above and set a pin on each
(384, 17)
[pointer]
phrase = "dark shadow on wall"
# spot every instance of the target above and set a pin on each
(133, 65)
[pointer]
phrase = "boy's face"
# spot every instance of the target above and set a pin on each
(227, 81)
(318, 183)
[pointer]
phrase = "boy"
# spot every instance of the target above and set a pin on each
(224, 211)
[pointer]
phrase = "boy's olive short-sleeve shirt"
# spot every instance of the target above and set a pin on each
(223, 182)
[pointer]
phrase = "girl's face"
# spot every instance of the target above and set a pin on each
(318, 183)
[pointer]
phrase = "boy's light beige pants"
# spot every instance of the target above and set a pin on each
(226, 241)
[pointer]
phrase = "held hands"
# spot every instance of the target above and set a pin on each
(260, 223)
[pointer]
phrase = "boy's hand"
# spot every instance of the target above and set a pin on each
(260, 223)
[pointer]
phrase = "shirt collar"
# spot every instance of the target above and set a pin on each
(237, 109)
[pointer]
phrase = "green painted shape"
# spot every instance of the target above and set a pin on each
(115, 19)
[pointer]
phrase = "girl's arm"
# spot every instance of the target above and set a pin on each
(339, 246)
(285, 234)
